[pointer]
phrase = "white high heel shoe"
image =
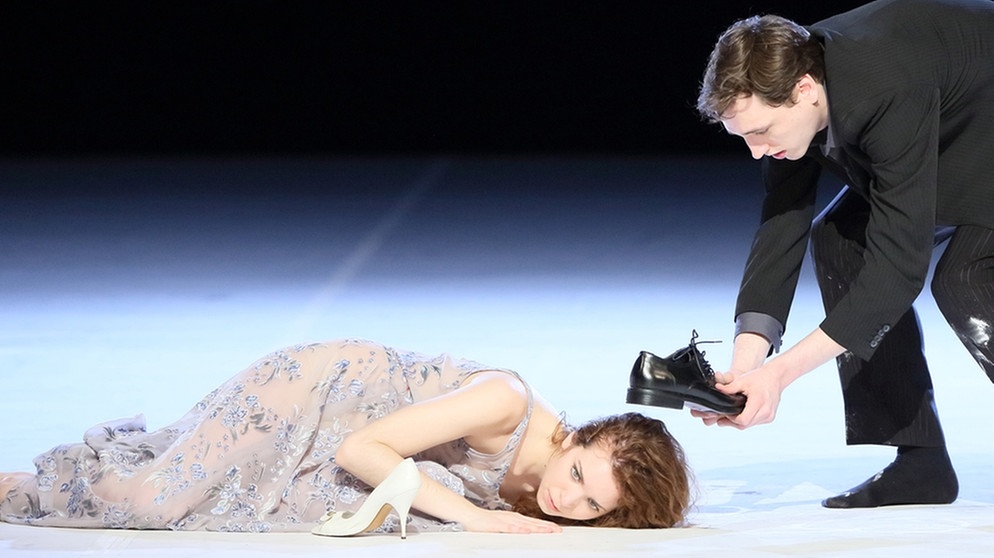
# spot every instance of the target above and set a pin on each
(397, 491)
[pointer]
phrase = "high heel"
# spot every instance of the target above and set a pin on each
(397, 491)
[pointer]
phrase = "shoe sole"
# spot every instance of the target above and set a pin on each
(657, 398)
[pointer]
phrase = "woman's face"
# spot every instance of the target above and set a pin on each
(578, 483)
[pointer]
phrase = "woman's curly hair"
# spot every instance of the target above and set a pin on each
(649, 467)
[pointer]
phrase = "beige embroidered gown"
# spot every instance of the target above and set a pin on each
(258, 453)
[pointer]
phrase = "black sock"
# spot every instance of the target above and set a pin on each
(917, 476)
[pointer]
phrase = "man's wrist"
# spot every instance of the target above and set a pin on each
(749, 352)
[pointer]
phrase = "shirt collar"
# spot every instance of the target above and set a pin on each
(826, 140)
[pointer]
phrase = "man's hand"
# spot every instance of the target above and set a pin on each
(762, 388)
(763, 384)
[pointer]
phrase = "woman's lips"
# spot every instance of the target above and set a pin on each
(552, 505)
(780, 154)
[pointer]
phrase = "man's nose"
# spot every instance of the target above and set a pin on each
(758, 150)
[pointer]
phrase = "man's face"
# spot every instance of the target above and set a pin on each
(782, 132)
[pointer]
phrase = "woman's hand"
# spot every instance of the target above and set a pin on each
(498, 521)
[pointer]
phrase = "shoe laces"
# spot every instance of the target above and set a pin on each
(698, 356)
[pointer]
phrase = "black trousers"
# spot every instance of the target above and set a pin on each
(889, 398)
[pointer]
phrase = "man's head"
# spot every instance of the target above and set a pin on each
(764, 82)
(762, 56)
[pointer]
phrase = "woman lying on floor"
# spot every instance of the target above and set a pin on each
(296, 441)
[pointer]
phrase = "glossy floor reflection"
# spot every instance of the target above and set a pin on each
(136, 286)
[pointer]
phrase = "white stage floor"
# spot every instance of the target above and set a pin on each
(137, 286)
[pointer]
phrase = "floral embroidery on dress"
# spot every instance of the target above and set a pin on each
(257, 453)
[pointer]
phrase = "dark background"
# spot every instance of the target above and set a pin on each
(473, 77)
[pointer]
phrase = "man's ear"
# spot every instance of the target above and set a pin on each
(807, 88)
(568, 440)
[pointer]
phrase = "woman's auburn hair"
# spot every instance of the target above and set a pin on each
(649, 467)
(761, 55)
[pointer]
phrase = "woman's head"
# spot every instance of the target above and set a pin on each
(619, 471)
(763, 56)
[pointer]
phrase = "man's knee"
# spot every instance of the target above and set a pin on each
(819, 239)
(950, 291)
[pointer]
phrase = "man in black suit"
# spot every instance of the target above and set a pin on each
(896, 98)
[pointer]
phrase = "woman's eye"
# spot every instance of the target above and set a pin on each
(575, 472)
(593, 505)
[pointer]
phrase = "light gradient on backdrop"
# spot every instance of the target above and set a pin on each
(137, 286)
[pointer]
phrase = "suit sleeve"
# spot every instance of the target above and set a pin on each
(778, 248)
(899, 134)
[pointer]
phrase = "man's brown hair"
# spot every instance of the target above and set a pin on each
(760, 55)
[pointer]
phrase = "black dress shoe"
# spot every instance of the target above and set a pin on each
(683, 378)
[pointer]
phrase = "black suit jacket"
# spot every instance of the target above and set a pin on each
(910, 86)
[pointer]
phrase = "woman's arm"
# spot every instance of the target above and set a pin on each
(489, 406)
